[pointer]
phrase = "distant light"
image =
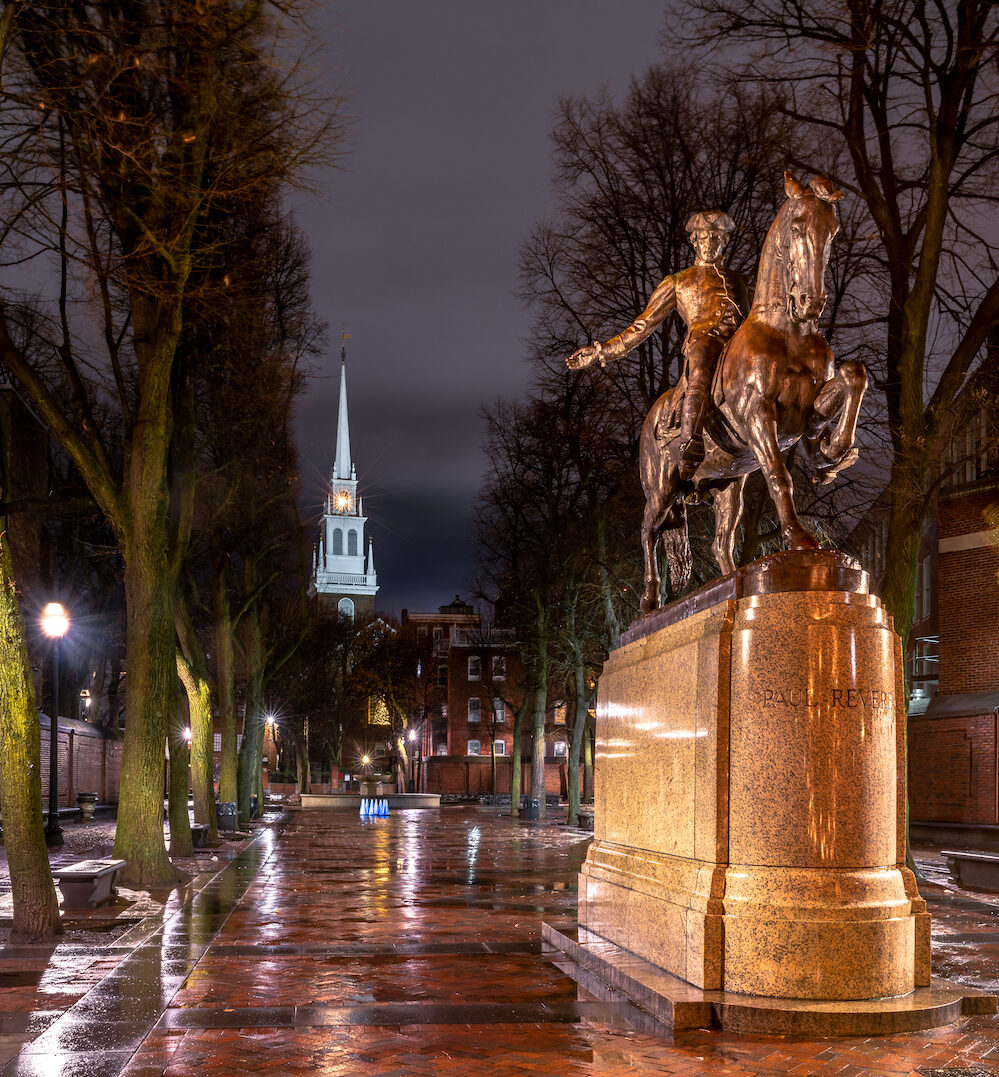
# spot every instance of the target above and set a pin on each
(187, 735)
(342, 501)
(365, 759)
(412, 734)
(55, 620)
(270, 719)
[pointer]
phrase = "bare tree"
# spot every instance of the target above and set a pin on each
(121, 126)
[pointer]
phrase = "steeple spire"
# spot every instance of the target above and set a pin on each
(342, 461)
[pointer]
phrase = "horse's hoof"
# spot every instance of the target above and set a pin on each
(650, 600)
(803, 541)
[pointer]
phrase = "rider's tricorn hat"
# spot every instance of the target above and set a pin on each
(712, 220)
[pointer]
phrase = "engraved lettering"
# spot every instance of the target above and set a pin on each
(837, 696)
(850, 693)
(768, 695)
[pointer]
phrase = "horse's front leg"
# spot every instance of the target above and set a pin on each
(761, 435)
(727, 506)
(838, 403)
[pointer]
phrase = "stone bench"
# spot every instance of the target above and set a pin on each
(88, 883)
(974, 869)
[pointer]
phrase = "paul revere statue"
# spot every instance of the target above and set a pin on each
(712, 300)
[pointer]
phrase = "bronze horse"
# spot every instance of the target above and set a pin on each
(775, 384)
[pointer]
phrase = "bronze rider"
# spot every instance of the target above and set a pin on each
(712, 300)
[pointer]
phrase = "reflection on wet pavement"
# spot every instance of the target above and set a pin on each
(411, 945)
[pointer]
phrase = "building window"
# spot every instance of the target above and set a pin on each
(442, 747)
(345, 609)
(438, 633)
(474, 748)
(475, 709)
(338, 540)
(560, 747)
(217, 742)
(442, 675)
(559, 712)
(421, 633)
(239, 741)
(499, 710)
(499, 747)
(925, 666)
(499, 667)
(474, 667)
(352, 543)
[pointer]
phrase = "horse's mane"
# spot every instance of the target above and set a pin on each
(771, 284)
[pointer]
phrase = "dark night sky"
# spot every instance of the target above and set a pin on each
(416, 249)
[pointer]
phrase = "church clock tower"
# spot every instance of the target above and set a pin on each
(343, 570)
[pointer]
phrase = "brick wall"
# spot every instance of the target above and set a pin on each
(952, 770)
(968, 598)
(447, 774)
(89, 762)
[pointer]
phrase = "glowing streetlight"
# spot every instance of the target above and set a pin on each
(55, 625)
(187, 736)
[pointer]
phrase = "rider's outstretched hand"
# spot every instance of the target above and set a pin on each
(583, 357)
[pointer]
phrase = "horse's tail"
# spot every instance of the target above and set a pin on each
(676, 544)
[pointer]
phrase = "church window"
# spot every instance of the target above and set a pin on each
(338, 540)
(351, 543)
(345, 608)
(475, 709)
(474, 667)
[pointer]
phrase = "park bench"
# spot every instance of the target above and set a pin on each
(975, 869)
(199, 835)
(87, 883)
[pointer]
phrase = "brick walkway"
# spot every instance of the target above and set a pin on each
(411, 945)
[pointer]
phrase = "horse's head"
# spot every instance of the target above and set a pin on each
(808, 224)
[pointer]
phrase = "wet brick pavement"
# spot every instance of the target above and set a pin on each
(409, 946)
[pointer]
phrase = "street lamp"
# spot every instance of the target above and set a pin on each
(55, 624)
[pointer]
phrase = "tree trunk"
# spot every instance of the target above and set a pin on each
(588, 760)
(492, 761)
(225, 665)
(579, 722)
(181, 843)
(540, 706)
(302, 765)
(152, 675)
(515, 772)
(252, 749)
(194, 677)
(36, 908)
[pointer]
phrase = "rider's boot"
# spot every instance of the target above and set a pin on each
(695, 404)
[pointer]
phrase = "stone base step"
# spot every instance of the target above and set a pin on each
(597, 965)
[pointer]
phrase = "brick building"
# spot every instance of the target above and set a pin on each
(953, 653)
(473, 684)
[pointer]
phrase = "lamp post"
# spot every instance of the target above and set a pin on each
(55, 624)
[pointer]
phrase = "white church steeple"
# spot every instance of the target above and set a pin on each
(341, 579)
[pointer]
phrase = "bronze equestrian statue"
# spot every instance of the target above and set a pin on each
(775, 384)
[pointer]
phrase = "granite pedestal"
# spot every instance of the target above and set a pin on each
(749, 829)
